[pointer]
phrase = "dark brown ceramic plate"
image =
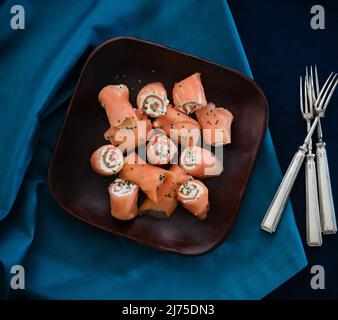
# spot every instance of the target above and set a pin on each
(83, 193)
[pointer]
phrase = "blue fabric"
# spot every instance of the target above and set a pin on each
(65, 258)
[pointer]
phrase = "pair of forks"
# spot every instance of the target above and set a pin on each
(319, 201)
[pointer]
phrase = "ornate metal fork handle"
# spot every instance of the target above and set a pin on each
(327, 210)
(274, 213)
(313, 227)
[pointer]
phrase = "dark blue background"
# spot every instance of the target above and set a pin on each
(279, 42)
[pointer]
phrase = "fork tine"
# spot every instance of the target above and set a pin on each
(310, 91)
(322, 91)
(330, 95)
(317, 82)
(306, 93)
(312, 87)
(301, 94)
(323, 103)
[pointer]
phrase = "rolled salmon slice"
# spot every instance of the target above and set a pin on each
(181, 177)
(161, 210)
(140, 115)
(160, 150)
(107, 160)
(194, 196)
(152, 100)
(189, 95)
(123, 199)
(179, 127)
(200, 162)
(128, 139)
(155, 182)
(115, 100)
(165, 208)
(216, 124)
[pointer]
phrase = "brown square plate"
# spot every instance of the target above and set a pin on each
(83, 193)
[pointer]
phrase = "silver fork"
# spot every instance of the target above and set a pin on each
(327, 210)
(313, 228)
(275, 210)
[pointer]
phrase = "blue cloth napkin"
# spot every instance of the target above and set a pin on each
(64, 258)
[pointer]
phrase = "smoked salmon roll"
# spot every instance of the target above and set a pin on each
(152, 100)
(200, 162)
(161, 210)
(194, 196)
(181, 177)
(160, 149)
(123, 199)
(107, 160)
(165, 208)
(188, 94)
(155, 182)
(120, 113)
(216, 124)
(128, 139)
(140, 115)
(179, 127)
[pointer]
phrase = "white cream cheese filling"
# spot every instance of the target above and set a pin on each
(150, 99)
(190, 191)
(122, 188)
(111, 159)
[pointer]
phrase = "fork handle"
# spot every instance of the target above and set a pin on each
(313, 228)
(327, 211)
(273, 215)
